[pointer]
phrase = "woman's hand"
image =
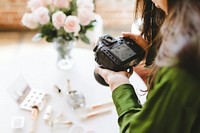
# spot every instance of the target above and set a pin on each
(114, 79)
(138, 39)
(142, 71)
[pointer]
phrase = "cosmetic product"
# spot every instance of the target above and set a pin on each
(25, 96)
(58, 90)
(48, 113)
(75, 98)
(95, 113)
(98, 106)
(17, 122)
(34, 115)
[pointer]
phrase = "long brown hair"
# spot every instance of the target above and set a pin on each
(152, 18)
(182, 13)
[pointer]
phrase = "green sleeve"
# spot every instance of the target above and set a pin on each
(126, 103)
(170, 106)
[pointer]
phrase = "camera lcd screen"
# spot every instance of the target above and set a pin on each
(123, 52)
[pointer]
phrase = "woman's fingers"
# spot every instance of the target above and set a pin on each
(105, 72)
(112, 78)
(137, 38)
(130, 35)
(102, 72)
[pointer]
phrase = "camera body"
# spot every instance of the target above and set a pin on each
(117, 54)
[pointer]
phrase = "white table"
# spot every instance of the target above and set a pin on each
(40, 71)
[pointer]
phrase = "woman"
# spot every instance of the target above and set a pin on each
(173, 101)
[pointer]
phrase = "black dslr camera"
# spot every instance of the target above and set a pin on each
(117, 54)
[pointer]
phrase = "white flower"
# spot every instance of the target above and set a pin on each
(47, 2)
(85, 16)
(29, 21)
(42, 15)
(35, 4)
(88, 4)
(70, 19)
(61, 3)
(72, 24)
(58, 19)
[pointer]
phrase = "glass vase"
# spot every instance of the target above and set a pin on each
(64, 48)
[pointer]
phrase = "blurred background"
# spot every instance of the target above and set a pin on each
(117, 16)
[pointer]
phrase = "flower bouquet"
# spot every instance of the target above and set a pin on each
(66, 19)
(62, 22)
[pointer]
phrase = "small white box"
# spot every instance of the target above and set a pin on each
(17, 122)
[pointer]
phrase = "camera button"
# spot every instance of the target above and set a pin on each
(117, 63)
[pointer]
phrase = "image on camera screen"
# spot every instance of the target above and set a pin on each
(123, 52)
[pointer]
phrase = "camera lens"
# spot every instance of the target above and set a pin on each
(100, 79)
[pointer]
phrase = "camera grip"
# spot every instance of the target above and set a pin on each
(100, 79)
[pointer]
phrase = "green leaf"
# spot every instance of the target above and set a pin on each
(71, 35)
(73, 7)
(91, 28)
(49, 39)
(48, 31)
(37, 37)
(84, 38)
(61, 32)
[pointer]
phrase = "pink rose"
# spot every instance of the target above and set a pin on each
(85, 16)
(58, 19)
(42, 15)
(61, 3)
(47, 2)
(72, 24)
(35, 4)
(88, 4)
(29, 21)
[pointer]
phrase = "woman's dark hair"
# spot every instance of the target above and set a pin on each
(183, 14)
(152, 18)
